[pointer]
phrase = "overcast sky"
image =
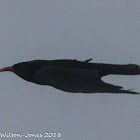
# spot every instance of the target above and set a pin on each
(107, 31)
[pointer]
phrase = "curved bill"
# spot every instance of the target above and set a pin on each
(7, 69)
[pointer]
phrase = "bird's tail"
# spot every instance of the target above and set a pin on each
(130, 69)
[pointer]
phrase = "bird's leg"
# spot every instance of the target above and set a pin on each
(86, 61)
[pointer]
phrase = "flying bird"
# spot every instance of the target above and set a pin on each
(72, 75)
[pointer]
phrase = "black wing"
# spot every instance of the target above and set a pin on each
(81, 77)
(75, 80)
(102, 68)
(65, 78)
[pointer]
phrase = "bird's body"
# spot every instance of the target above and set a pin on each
(72, 75)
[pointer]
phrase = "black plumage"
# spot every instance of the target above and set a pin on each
(72, 75)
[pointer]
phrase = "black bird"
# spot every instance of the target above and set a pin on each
(72, 75)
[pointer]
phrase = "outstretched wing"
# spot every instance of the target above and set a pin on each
(75, 79)
(103, 69)
(102, 87)
(66, 78)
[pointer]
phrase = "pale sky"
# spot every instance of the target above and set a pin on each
(107, 31)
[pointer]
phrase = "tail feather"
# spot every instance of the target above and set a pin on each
(105, 69)
(130, 69)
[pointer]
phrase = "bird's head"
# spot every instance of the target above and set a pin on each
(25, 70)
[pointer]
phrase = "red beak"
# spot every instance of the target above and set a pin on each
(7, 69)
